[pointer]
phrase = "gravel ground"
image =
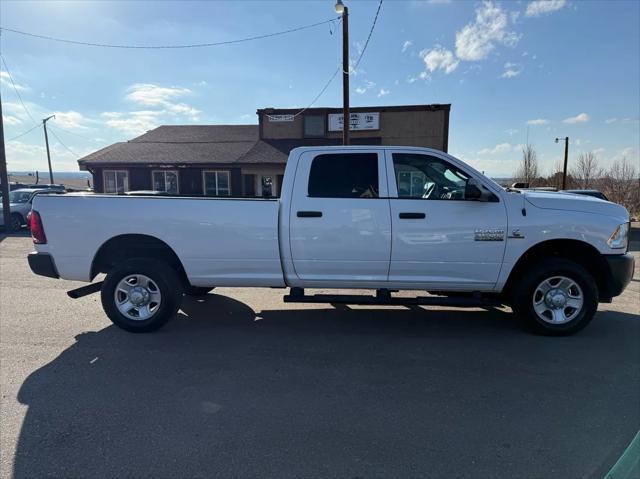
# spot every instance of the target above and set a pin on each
(242, 385)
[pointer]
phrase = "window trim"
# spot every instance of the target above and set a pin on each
(393, 182)
(204, 183)
(380, 171)
(115, 172)
(176, 172)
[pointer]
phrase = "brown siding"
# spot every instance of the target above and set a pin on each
(140, 179)
(97, 180)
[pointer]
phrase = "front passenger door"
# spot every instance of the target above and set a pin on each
(437, 239)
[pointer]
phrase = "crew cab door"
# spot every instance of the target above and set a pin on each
(440, 239)
(340, 228)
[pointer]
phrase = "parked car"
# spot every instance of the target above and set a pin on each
(594, 193)
(20, 204)
(358, 217)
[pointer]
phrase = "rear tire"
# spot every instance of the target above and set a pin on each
(141, 295)
(197, 290)
(16, 222)
(556, 297)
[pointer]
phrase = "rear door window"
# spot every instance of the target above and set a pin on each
(344, 175)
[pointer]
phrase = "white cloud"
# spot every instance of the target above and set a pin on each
(134, 122)
(608, 121)
(623, 121)
(383, 92)
(496, 150)
(511, 131)
(28, 157)
(580, 118)
(542, 7)
(11, 120)
(5, 79)
(537, 121)
(150, 95)
(361, 90)
(511, 70)
(406, 45)
(439, 58)
(70, 120)
(477, 39)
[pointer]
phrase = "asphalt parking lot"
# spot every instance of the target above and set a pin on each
(242, 385)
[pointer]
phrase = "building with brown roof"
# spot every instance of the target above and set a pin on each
(249, 160)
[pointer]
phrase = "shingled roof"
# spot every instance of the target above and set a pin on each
(211, 144)
(179, 144)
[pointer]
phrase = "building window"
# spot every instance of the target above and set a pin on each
(216, 183)
(165, 181)
(344, 175)
(116, 181)
(314, 126)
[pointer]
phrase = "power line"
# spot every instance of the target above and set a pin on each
(16, 89)
(366, 43)
(23, 133)
(73, 133)
(60, 141)
(158, 47)
(324, 88)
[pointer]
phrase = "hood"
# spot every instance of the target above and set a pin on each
(572, 202)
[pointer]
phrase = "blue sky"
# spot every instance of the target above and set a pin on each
(510, 70)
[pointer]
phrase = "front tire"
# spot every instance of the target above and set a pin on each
(141, 295)
(556, 297)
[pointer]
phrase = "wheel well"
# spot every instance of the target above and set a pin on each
(123, 247)
(578, 251)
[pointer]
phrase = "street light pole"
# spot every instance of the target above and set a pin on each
(566, 160)
(6, 211)
(46, 140)
(346, 117)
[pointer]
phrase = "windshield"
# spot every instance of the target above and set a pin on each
(19, 196)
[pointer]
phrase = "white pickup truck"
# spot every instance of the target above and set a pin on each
(379, 218)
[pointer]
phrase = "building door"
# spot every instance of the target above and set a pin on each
(340, 229)
(439, 238)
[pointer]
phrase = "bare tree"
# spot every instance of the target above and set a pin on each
(586, 170)
(622, 185)
(528, 171)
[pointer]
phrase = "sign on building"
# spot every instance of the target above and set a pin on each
(358, 121)
(280, 117)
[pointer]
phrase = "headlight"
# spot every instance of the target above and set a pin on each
(619, 238)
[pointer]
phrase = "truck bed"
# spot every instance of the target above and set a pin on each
(221, 241)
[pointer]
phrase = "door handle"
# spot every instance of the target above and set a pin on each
(412, 216)
(309, 214)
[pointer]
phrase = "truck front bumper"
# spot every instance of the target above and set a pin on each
(42, 264)
(621, 268)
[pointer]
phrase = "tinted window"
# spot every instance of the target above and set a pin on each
(344, 175)
(427, 177)
(313, 126)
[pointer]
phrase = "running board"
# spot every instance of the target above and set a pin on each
(383, 297)
(85, 290)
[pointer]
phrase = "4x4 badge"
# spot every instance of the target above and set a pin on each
(516, 234)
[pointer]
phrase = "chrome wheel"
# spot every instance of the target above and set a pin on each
(137, 297)
(558, 300)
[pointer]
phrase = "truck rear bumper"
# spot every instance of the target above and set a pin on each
(621, 268)
(42, 264)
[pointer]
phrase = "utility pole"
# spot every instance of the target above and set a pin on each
(566, 161)
(346, 117)
(6, 212)
(46, 140)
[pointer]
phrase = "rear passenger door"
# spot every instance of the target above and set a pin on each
(340, 227)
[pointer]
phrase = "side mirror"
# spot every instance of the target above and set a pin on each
(474, 190)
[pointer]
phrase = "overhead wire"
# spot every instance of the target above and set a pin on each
(23, 133)
(366, 43)
(61, 142)
(16, 89)
(159, 47)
